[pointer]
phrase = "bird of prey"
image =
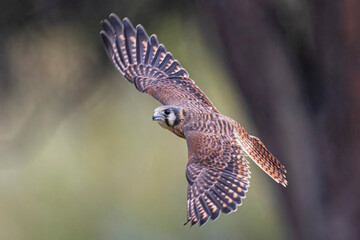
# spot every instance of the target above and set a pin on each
(217, 171)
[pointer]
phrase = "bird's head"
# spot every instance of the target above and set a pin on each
(168, 116)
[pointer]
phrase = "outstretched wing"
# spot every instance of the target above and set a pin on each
(217, 173)
(147, 64)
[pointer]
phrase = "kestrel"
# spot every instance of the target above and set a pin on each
(217, 171)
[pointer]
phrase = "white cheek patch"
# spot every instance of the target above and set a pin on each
(171, 118)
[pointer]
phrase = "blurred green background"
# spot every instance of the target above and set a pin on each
(80, 156)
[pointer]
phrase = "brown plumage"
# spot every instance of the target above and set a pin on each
(217, 171)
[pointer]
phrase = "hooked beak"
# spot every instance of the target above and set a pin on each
(157, 117)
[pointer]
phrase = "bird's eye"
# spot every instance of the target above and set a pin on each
(167, 112)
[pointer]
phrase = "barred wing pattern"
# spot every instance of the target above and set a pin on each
(147, 64)
(217, 173)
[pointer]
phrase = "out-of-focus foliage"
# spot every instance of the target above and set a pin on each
(80, 156)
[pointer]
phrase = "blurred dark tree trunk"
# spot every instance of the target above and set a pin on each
(299, 70)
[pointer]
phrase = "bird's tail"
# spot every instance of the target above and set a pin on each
(257, 151)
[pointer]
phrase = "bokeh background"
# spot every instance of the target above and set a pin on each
(80, 157)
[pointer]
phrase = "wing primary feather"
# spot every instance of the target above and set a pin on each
(109, 47)
(152, 48)
(119, 39)
(231, 198)
(108, 29)
(181, 73)
(214, 214)
(116, 23)
(205, 214)
(130, 40)
(234, 189)
(189, 198)
(224, 207)
(108, 44)
(159, 55)
(120, 46)
(204, 205)
(175, 66)
(196, 213)
(166, 61)
(141, 43)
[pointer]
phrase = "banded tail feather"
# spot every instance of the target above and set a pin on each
(257, 151)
